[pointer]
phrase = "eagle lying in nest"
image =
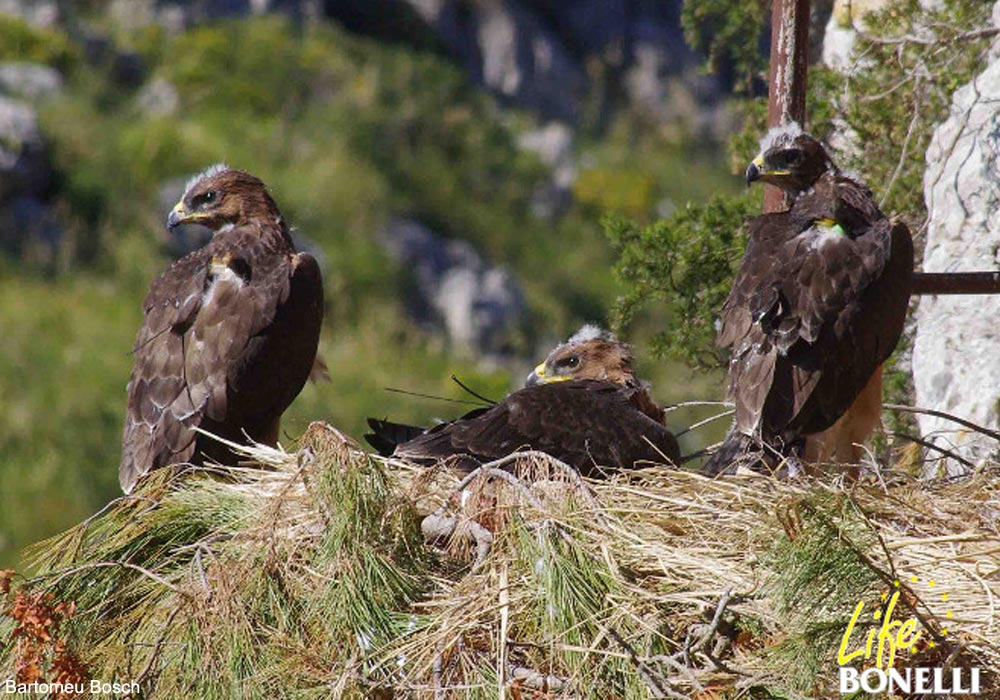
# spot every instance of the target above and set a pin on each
(583, 405)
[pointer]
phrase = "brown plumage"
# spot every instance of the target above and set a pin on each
(583, 405)
(818, 304)
(592, 353)
(229, 332)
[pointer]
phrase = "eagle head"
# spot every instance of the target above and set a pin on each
(591, 353)
(222, 197)
(789, 158)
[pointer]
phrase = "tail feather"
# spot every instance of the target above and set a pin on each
(386, 435)
(742, 450)
(730, 455)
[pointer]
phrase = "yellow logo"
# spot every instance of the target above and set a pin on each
(893, 635)
(885, 641)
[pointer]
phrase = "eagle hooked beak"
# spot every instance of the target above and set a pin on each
(755, 170)
(537, 376)
(177, 216)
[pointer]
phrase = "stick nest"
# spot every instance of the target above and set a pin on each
(327, 572)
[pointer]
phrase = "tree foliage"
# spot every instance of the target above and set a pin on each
(687, 260)
(728, 33)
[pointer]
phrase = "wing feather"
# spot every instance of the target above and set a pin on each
(813, 312)
(199, 317)
(587, 424)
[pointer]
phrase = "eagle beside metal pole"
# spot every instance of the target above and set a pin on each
(786, 101)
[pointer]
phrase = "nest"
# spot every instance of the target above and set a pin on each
(328, 572)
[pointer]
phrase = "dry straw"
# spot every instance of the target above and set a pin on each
(327, 572)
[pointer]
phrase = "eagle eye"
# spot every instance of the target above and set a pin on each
(203, 200)
(571, 362)
(793, 156)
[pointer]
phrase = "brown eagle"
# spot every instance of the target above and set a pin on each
(583, 405)
(817, 306)
(229, 332)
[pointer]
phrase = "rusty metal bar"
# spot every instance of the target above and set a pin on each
(956, 283)
(786, 97)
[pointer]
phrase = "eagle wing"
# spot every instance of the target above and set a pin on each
(587, 424)
(199, 318)
(805, 309)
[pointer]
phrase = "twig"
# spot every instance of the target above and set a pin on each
(904, 150)
(706, 421)
(157, 647)
(947, 416)
(936, 448)
(494, 468)
(971, 35)
(658, 689)
(125, 565)
(686, 404)
(488, 402)
(431, 396)
(438, 689)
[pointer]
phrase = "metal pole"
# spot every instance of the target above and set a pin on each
(786, 98)
(956, 283)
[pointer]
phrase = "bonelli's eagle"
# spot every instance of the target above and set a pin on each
(583, 406)
(229, 332)
(817, 306)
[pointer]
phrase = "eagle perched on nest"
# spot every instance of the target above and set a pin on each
(583, 406)
(229, 332)
(817, 306)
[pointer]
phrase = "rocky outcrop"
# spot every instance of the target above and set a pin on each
(30, 81)
(41, 13)
(553, 57)
(477, 306)
(24, 166)
(177, 15)
(554, 146)
(28, 226)
(956, 365)
(158, 98)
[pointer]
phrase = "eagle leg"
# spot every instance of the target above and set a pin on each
(842, 442)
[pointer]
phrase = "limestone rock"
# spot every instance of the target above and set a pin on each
(477, 306)
(41, 13)
(956, 366)
(30, 81)
(24, 167)
(158, 98)
(553, 144)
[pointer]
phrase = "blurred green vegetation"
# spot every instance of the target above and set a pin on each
(21, 42)
(348, 132)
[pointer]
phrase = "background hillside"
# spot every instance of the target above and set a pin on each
(453, 191)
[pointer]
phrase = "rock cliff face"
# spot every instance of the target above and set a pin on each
(478, 306)
(956, 363)
(28, 227)
(548, 56)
